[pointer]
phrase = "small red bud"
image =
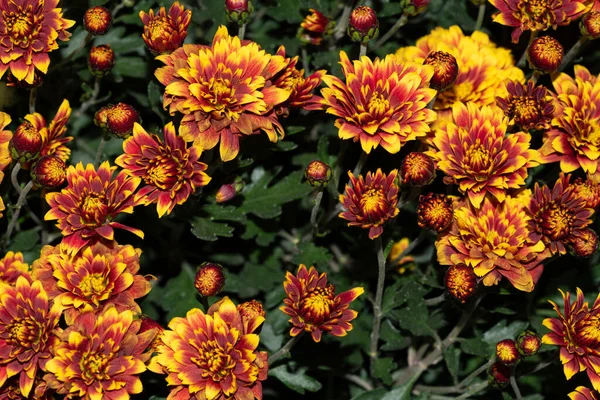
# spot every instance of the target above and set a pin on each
(318, 174)
(590, 25)
(445, 69)
(101, 117)
(461, 282)
(363, 25)
(417, 169)
(97, 20)
(584, 245)
(229, 190)
(434, 212)
(528, 343)
(101, 59)
(238, 10)
(545, 54)
(507, 352)
(26, 143)
(498, 375)
(49, 172)
(210, 279)
(120, 119)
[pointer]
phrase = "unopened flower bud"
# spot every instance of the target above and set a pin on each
(545, 54)
(363, 25)
(253, 314)
(528, 343)
(590, 25)
(507, 352)
(26, 143)
(498, 375)
(445, 69)
(97, 20)
(210, 279)
(49, 172)
(315, 27)
(417, 169)
(229, 190)
(121, 118)
(460, 282)
(101, 117)
(434, 212)
(414, 7)
(584, 245)
(238, 10)
(101, 59)
(318, 174)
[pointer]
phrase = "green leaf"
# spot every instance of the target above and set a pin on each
(452, 358)
(376, 394)
(209, 230)
(25, 240)
(393, 338)
(178, 295)
(383, 369)
(155, 100)
(298, 381)
(476, 347)
(402, 392)
(310, 254)
(500, 331)
(120, 42)
(269, 338)
(133, 67)
(263, 238)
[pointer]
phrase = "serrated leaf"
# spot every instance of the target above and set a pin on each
(452, 358)
(298, 381)
(178, 295)
(310, 254)
(209, 230)
(383, 369)
(263, 238)
(271, 340)
(393, 338)
(120, 42)
(476, 347)
(500, 331)
(133, 67)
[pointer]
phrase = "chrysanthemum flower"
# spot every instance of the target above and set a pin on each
(100, 274)
(537, 15)
(434, 212)
(212, 355)
(558, 216)
(586, 244)
(87, 207)
(223, 91)
(12, 266)
(483, 68)
(11, 390)
(100, 356)
(314, 306)
(28, 32)
(528, 107)
(371, 202)
(575, 141)
(460, 282)
(577, 333)
(5, 157)
(27, 331)
(475, 153)
(315, 27)
(171, 171)
(589, 191)
(163, 33)
(583, 393)
(383, 102)
(495, 241)
(507, 352)
(404, 263)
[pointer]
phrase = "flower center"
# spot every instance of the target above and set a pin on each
(216, 362)
(92, 285)
(159, 28)
(373, 203)
(590, 332)
(162, 172)
(222, 93)
(94, 367)
(23, 26)
(93, 208)
(317, 305)
(587, 132)
(24, 333)
(478, 160)
(525, 110)
(557, 221)
(378, 104)
(538, 12)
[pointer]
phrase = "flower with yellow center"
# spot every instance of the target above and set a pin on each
(28, 32)
(12, 266)
(313, 305)
(165, 32)
(528, 107)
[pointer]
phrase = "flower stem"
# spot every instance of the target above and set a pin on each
(315, 211)
(285, 350)
(480, 17)
(573, 51)
(13, 177)
(399, 24)
(342, 23)
(92, 100)
(523, 58)
(242, 31)
(32, 98)
(100, 150)
(513, 384)
(360, 164)
(410, 247)
(377, 314)
(18, 206)
(363, 50)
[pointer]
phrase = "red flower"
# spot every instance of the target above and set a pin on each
(164, 33)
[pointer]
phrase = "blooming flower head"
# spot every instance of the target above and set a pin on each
(528, 107)
(87, 207)
(558, 215)
(164, 33)
(494, 240)
(371, 202)
(583, 393)
(28, 32)
(589, 191)
(27, 326)
(537, 15)
(315, 27)
(575, 141)
(171, 171)
(483, 68)
(100, 274)
(223, 92)
(100, 356)
(313, 305)
(212, 355)
(383, 102)
(576, 332)
(12, 267)
(476, 155)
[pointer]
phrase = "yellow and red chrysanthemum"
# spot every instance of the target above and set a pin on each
(100, 356)
(474, 152)
(223, 91)
(577, 333)
(383, 102)
(483, 68)
(589, 191)
(583, 393)
(495, 241)
(5, 157)
(212, 355)
(87, 207)
(537, 15)
(100, 274)
(314, 27)
(576, 140)
(164, 32)
(28, 32)
(12, 266)
(371, 202)
(314, 306)
(404, 263)
(27, 332)
(171, 171)
(558, 215)
(528, 107)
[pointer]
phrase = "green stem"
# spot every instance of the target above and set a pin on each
(17, 211)
(360, 164)
(285, 350)
(13, 177)
(377, 313)
(363, 50)
(523, 58)
(32, 98)
(242, 31)
(513, 384)
(92, 100)
(342, 22)
(480, 17)
(399, 24)
(573, 52)
(315, 211)
(100, 150)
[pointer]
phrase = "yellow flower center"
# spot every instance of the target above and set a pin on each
(538, 12)
(223, 94)
(589, 334)
(316, 307)
(159, 28)
(378, 105)
(373, 203)
(478, 160)
(505, 353)
(94, 367)
(24, 333)
(525, 110)
(162, 172)
(216, 362)
(93, 208)
(557, 221)
(22, 27)
(92, 285)
(587, 132)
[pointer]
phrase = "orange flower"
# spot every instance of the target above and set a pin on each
(170, 170)
(212, 355)
(372, 202)
(165, 33)
(537, 15)
(12, 267)
(574, 142)
(528, 107)
(577, 333)
(583, 393)
(315, 27)
(27, 331)
(495, 241)
(5, 157)
(223, 91)
(383, 102)
(28, 32)
(405, 263)
(100, 356)
(474, 152)
(87, 207)
(100, 274)
(313, 305)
